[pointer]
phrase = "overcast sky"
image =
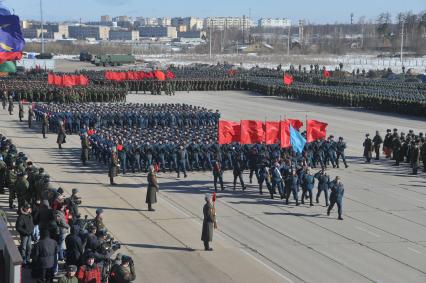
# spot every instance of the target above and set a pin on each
(316, 11)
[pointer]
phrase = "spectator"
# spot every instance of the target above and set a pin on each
(25, 228)
(89, 272)
(69, 277)
(43, 257)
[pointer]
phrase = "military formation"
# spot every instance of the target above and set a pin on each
(55, 240)
(407, 148)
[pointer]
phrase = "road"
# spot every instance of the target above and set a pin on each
(382, 237)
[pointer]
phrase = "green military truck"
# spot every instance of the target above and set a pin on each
(113, 60)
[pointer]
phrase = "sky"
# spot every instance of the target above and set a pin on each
(314, 11)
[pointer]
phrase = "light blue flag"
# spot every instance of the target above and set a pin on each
(297, 140)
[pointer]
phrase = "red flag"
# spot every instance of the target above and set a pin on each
(232, 72)
(297, 124)
(272, 132)
(315, 130)
(252, 132)
(51, 79)
(285, 134)
(326, 74)
(68, 81)
(228, 132)
(119, 147)
(149, 75)
(170, 75)
(82, 80)
(288, 79)
(159, 75)
(57, 80)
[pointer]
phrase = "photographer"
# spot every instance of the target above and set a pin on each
(124, 272)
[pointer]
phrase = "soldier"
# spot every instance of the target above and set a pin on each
(308, 183)
(98, 221)
(31, 116)
(151, 193)
(238, 173)
(182, 155)
(415, 157)
(423, 153)
(340, 148)
(396, 148)
(209, 222)
(10, 108)
(4, 99)
(265, 177)
(377, 141)
(277, 180)
(217, 174)
(22, 190)
(123, 272)
(292, 186)
(336, 196)
(387, 144)
(85, 146)
(323, 185)
(61, 135)
(45, 125)
(114, 166)
(368, 148)
(21, 111)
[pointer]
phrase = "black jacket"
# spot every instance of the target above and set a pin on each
(24, 224)
(44, 252)
(74, 246)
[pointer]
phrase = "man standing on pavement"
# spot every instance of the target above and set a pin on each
(377, 141)
(151, 193)
(25, 227)
(208, 223)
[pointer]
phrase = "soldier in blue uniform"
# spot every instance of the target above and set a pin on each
(336, 196)
(323, 185)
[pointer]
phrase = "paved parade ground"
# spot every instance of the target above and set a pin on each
(382, 237)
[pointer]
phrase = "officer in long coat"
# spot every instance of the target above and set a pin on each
(10, 108)
(336, 196)
(208, 223)
(21, 111)
(31, 116)
(45, 125)
(85, 145)
(61, 135)
(368, 148)
(415, 157)
(151, 193)
(113, 166)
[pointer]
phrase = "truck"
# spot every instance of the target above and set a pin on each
(85, 56)
(113, 60)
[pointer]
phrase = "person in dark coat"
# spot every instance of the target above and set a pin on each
(336, 196)
(85, 146)
(10, 109)
(61, 135)
(368, 148)
(43, 257)
(25, 228)
(308, 183)
(31, 116)
(74, 246)
(217, 175)
(151, 193)
(21, 111)
(415, 157)
(208, 223)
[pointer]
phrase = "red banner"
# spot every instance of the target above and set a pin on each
(67, 80)
(285, 134)
(297, 124)
(252, 132)
(159, 75)
(315, 130)
(228, 132)
(170, 75)
(288, 79)
(326, 74)
(272, 132)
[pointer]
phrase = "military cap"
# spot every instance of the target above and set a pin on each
(99, 211)
(72, 268)
(74, 191)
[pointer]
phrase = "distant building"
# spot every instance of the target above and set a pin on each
(32, 32)
(164, 22)
(192, 34)
(153, 31)
(190, 23)
(121, 19)
(222, 23)
(274, 23)
(105, 18)
(148, 21)
(124, 35)
(83, 32)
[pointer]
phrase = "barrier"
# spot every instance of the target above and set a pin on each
(10, 259)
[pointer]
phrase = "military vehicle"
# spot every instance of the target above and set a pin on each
(86, 56)
(113, 60)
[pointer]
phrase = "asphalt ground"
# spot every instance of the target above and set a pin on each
(381, 239)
